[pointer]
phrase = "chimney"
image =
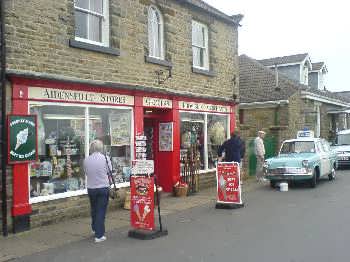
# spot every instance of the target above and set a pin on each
(277, 88)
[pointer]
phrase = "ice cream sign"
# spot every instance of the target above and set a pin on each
(142, 202)
(228, 183)
(22, 138)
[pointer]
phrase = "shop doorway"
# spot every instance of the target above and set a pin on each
(153, 119)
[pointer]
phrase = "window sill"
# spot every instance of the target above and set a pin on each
(206, 171)
(158, 61)
(91, 47)
(40, 199)
(203, 72)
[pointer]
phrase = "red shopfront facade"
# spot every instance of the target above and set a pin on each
(70, 115)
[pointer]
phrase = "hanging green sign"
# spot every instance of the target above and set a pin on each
(22, 138)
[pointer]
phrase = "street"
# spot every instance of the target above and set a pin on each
(302, 224)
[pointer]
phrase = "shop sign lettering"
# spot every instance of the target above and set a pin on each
(79, 96)
(157, 102)
(203, 107)
(22, 142)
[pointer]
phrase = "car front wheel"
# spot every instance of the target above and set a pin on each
(272, 183)
(313, 180)
(331, 176)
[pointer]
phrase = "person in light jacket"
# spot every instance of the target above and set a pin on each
(259, 150)
(96, 170)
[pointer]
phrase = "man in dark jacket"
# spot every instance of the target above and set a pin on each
(232, 148)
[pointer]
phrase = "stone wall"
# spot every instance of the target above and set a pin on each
(8, 173)
(207, 180)
(51, 212)
(41, 29)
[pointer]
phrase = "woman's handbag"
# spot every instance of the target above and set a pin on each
(112, 187)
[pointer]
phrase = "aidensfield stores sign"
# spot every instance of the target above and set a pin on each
(22, 140)
(40, 93)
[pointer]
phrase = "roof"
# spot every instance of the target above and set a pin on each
(235, 19)
(329, 94)
(343, 94)
(304, 139)
(291, 59)
(344, 132)
(317, 66)
(257, 83)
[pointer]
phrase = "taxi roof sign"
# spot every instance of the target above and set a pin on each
(306, 134)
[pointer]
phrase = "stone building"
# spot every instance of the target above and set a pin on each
(275, 97)
(115, 71)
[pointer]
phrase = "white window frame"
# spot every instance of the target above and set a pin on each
(104, 27)
(205, 47)
(39, 199)
(206, 164)
(151, 37)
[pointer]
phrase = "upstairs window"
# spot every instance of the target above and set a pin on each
(200, 45)
(155, 33)
(91, 21)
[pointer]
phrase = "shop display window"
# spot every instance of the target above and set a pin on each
(204, 133)
(192, 135)
(217, 128)
(113, 127)
(61, 137)
(63, 142)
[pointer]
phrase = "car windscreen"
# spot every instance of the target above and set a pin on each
(298, 147)
(343, 139)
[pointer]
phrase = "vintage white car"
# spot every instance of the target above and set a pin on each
(342, 147)
(304, 158)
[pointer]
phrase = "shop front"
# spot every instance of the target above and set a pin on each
(69, 116)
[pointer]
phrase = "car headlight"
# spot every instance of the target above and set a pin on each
(305, 163)
(266, 165)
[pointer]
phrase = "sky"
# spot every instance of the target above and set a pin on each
(272, 28)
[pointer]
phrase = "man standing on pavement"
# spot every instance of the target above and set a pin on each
(232, 149)
(259, 150)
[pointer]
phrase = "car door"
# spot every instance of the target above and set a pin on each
(325, 166)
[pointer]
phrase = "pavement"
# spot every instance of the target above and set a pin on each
(53, 236)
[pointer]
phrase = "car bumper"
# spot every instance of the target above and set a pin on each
(288, 177)
(342, 162)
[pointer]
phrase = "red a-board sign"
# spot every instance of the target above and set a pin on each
(142, 202)
(228, 183)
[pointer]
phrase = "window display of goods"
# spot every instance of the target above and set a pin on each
(217, 133)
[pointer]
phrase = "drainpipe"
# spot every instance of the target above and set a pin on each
(3, 121)
(277, 88)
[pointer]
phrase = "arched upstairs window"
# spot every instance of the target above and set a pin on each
(155, 33)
